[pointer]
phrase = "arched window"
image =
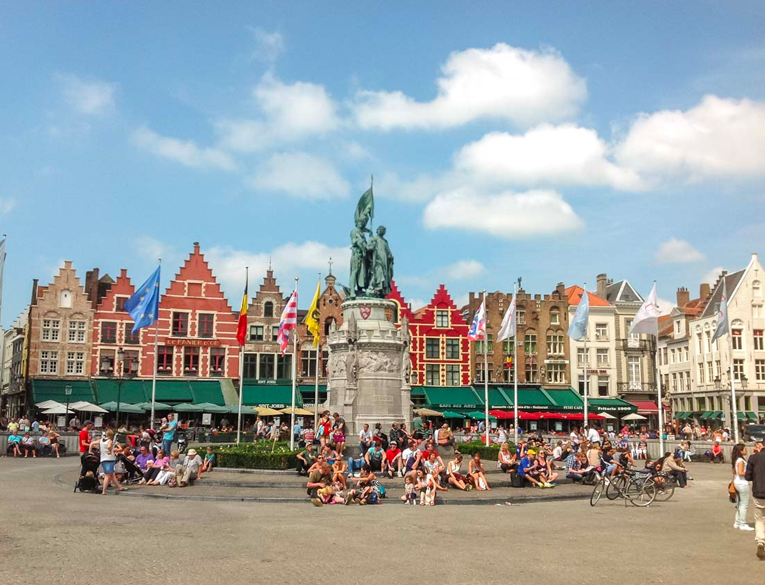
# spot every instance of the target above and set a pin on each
(268, 309)
(65, 299)
(328, 325)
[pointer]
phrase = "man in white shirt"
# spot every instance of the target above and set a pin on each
(592, 435)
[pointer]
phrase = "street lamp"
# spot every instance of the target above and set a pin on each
(68, 392)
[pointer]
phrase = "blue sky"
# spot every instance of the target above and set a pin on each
(550, 141)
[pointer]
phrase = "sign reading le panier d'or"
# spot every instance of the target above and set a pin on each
(186, 342)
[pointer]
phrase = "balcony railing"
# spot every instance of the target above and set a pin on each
(635, 388)
(635, 344)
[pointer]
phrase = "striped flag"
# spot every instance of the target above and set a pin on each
(288, 322)
(241, 326)
(478, 327)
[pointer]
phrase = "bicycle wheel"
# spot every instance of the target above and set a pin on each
(597, 491)
(616, 487)
(641, 492)
(665, 491)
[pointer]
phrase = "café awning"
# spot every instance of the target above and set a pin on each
(275, 396)
(645, 406)
(440, 397)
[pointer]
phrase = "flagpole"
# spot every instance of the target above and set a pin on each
(317, 343)
(486, 367)
(294, 375)
(515, 364)
(658, 387)
(241, 367)
(733, 406)
(586, 393)
(154, 372)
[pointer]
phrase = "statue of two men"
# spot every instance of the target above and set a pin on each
(371, 261)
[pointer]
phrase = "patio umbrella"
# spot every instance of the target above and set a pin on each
(187, 407)
(48, 404)
(60, 409)
(84, 406)
(633, 416)
(606, 415)
(450, 414)
(245, 409)
(214, 408)
(124, 407)
(265, 411)
(477, 415)
(298, 411)
(428, 412)
(157, 406)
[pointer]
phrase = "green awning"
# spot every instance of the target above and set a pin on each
(131, 391)
(172, 391)
(124, 407)
(706, 414)
(440, 397)
(752, 416)
(418, 391)
(214, 408)
(711, 414)
(207, 391)
(683, 415)
(478, 415)
(308, 392)
(610, 405)
(43, 390)
(566, 400)
(272, 395)
(450, 414)
(749, 415)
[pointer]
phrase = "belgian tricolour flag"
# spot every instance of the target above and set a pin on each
(241, 326)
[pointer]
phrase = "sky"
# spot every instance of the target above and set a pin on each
(550, 141)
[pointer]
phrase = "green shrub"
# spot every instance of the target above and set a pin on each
(262, 455)
(490, 452)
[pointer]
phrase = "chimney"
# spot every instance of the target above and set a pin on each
(34, 291)
(196, 247)
(602, 285)
(91, 286)
(561, 290)
(683, 297)
(704, 290)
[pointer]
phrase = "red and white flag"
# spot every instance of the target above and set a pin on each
(288, 322)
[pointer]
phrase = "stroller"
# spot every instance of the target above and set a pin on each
(88, 480)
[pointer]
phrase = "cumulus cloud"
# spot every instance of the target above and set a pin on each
(712, 275)
(422, 188)
(665, 306)
(464, 269)
(716, 139)
(505, 83)
(7, 204)
(552, 155)
(268, 45)
(300, 175)
(87, 97)
(675, 251)
(153, 249)
(185, 152)
(288, 260)
(505, 215)
(289, 112)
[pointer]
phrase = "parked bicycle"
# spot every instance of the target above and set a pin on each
(639, 489)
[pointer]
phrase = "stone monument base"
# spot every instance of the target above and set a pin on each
(369, 366)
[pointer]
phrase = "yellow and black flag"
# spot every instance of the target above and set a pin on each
(312, 318)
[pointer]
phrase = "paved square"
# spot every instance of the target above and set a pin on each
(48, 534)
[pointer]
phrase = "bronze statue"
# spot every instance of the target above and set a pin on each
(372, 261)
(380, 266)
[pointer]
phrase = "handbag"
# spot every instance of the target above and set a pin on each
(732, 493)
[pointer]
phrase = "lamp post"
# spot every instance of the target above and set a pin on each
(68, 392)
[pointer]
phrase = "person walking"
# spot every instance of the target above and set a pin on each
(755, 472)
(741, 485)
(108, 459)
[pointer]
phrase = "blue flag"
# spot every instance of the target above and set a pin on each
(578, 327)
(143, 306)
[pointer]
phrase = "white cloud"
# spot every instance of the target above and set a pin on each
(464, 269)
(7, 204)
(675, 251)
(505, 215)
(290, 112)
(665, 306)
(717, 138)
(558, 155)
(712, 275)
(153, 249)
(268, 45)
(185, 152)
(300, 175)
(87, 97)
(421, 188)
(288, 260)
(503, 82)
(416, 303)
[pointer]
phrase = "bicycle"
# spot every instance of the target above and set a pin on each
(639, 490)
(665, 486)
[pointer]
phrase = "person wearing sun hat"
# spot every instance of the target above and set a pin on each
(189, 470)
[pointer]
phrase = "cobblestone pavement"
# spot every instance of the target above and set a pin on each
(48, 534)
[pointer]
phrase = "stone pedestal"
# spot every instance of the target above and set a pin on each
(369, 366)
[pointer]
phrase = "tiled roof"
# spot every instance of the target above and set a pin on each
(574, 295)
(731, 281)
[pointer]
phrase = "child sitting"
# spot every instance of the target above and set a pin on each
(429, 494)
(209, 461)
(410, 495)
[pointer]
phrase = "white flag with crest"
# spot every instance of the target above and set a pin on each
(647, 318)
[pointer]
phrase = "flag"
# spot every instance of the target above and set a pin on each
(507, 330)
(143, 306)
(365, 209)
(241, 325)
(509, 362)
(647, 318)
(478, 327)
(722, 314)
(578, 327)
(313, 316)
(287, 322)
